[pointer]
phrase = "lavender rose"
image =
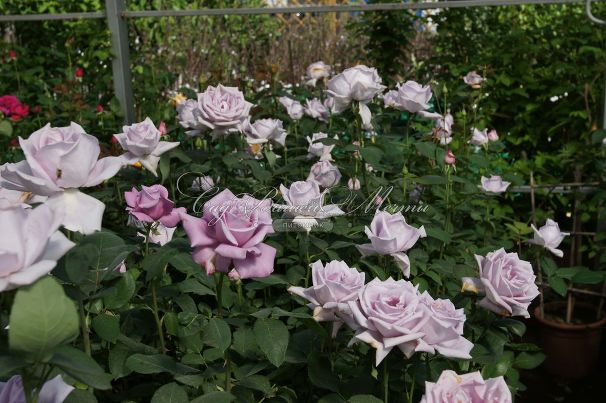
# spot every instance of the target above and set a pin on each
(507, 281)
(293, 108)
(474, 80)
(359, 83)
(479, 137)
(334, 285)
(317, 71)
(228, 237)
(141, 141)
(222, 109)
(392, 314)
(33, 246)
(264, 130)
(53, 391)
(305, 203)
(471, 387)
(188, 115)
(549, 236)
(202, 184)
(410, 96)
(317, 148)
(58, 161)
(316, 109)
(151, 205)
(325, 173)
(389, 234)
(495, 184)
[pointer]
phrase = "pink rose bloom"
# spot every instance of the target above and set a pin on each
(410, 96)
(549, 236)
(389, 234)
(33, 245)
(326, 174)
(53, 391)
(151, 204)
(392, 314)
(451, 388)
(495, 184)
(334, 285)
(294, 108)
(507, 281)
(316, 109)
(222, 109)
(58, 161)
(228, 237)
(450, 158)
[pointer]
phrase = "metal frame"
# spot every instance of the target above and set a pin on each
(117, 14)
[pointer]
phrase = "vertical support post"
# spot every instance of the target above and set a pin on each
(120, 62)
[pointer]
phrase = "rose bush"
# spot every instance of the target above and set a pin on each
(212, 281)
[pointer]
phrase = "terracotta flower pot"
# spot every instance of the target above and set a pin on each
(572, 350)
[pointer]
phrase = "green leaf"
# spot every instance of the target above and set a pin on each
(42, 318)
(215, 397)
(191, 285)
(426, 149)
(121, 292)
(438, 234)
(9, 363)
(529, 360)
(217, 334)
(588, 277)
(107, 327)
(170, 393)
(364, 399)
(272, 337)
(558, 285)
(514, 326)
(154, 364)
(319, 373)
(81, 367)
(80, 396)
(431, 180)
(6, 129)
(256, 382)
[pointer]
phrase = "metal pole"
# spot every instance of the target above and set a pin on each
(120, 62)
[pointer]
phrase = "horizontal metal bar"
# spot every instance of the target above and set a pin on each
(49, 17)
(340, 8)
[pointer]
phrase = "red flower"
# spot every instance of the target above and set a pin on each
(99, 108)
(20, 111)
(12, 54)
(114, 140)
(162, 128)
(79, 72)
